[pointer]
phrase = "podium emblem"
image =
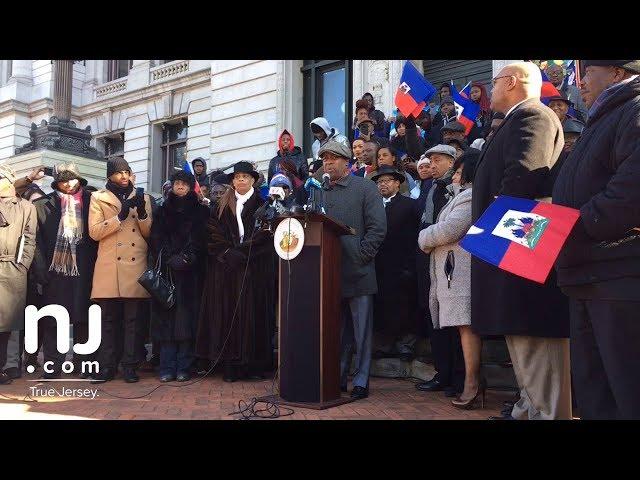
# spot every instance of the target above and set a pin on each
(288, 239)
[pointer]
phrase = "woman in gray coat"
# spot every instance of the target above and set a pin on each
(450, 272)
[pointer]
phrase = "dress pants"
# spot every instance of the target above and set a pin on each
(542, 370)
(448, 359)
(14, 350)
(357, 326)
(605, 343)
(119, 317)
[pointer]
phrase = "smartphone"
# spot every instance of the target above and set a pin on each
(140, 191)
(48, 171)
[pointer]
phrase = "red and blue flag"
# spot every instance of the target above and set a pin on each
(187, 167)
(548, 90)
(413, 92)
(521, 236)
(467, 109)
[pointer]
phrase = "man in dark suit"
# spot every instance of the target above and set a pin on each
(516, 161)
(599, 266)
(395, 305)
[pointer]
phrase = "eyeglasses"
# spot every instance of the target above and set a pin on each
(493, 80)
(386, 180)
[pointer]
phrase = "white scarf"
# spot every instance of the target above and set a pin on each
(240, 201)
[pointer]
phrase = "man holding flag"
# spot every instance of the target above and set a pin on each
(533, 317)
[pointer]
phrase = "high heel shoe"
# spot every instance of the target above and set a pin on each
(469, 404)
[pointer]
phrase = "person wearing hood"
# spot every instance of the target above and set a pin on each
(288, 150)
(120, 221)
(599, 266)
(178, 234)
(64, 261)
(323, 132)
(200, 170)
(18, 227)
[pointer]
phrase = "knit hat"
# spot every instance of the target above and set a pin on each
(280, 180)
(571, 125)
(117, 164)
(423, 159)
(63, 172)
(630, 65)
(186, 177)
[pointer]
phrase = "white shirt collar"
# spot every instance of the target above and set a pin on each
(387, 200)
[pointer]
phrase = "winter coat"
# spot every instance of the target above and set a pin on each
(203, 178)
(356, 202)
(396, 269)
(294, 154)
(449, 303)
(72, 292)
(332, 133)
(516, 161)
(122, 248)
(179, 228)
(601, 178)
(21, 218)
(249, 328)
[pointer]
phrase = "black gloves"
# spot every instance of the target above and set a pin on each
(138, 202)
(124, 211)
(181, 261)
(233, 259)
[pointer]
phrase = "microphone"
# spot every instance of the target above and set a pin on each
(326, 181)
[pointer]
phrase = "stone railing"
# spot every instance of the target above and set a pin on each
(169, 70)
(114, 86)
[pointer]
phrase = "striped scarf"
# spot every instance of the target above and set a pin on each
(69, 235)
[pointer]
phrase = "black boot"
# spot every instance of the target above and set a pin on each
(130, 375)
(105, 375)
(230, 373)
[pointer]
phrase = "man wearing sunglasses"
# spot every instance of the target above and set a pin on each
(516, 161)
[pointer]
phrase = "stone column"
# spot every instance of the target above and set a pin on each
(62, 89)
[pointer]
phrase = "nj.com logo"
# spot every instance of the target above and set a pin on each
(60, 314)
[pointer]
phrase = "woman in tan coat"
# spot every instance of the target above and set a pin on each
(120, 220)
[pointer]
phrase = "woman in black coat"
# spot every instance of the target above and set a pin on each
(58, 282)
(237, 314)
(178, 232)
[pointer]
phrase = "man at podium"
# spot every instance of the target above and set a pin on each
(356, 202)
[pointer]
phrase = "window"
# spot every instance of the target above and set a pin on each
(327, 93)
(118, 69)
(173, 147)
(114, 146)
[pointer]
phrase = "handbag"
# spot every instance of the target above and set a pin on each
(159, 285)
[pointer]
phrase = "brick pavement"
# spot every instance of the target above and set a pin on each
(213, 399)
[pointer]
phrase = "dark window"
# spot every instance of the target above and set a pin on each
(114, 146)
(174, 147)
(327, 92)
(118, 69)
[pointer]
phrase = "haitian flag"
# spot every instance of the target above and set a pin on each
(187, 167)
(468, 110)
(413, 92)
(521, 236)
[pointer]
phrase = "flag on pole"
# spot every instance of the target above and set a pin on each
(187, 167)
(466, 91)
(413, 92)
(521, 236)
(466, 109)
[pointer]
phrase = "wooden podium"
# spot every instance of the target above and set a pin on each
(310, 313)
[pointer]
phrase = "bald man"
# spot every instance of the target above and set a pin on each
(534, 318)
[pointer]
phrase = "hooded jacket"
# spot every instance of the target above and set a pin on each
(332, 133)
(294, 154)
(203, 178)
(601, 178)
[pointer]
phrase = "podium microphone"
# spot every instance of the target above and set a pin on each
(326, 182)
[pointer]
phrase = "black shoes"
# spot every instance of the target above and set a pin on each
(502, 417)
(130, 375)
(359, 393)
(13, 373)
(183, 377)
(105, 375)
(229, 374)
(167, 377)
(50, 376)
(432, 385)
(4, 379)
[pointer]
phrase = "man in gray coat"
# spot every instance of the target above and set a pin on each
(356, 202)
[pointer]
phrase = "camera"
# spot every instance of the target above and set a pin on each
(48, 171)
(364, 128)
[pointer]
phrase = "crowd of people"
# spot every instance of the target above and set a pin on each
(411, 188)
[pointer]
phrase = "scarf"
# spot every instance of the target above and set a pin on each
(429, 208)
(240, 201)
(69, 235)
(121, 193)
(607, 93)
